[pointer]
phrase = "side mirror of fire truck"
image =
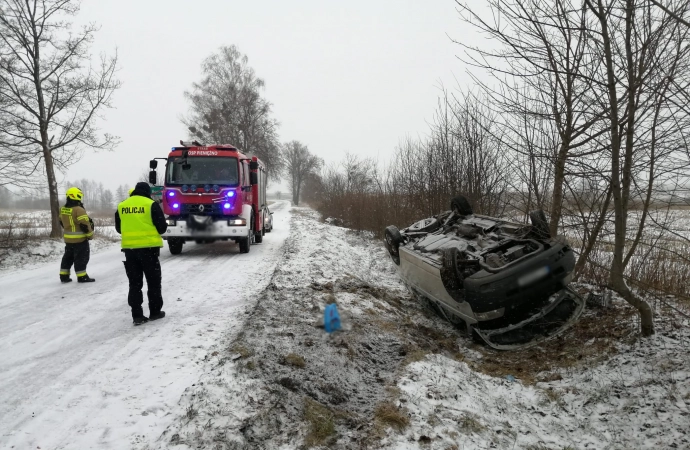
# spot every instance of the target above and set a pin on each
(253, 178)
(153, 164)
(254, 165)
(153, 179)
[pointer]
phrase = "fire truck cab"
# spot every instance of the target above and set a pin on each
(212, 192)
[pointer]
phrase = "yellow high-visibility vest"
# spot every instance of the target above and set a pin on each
(136, 225)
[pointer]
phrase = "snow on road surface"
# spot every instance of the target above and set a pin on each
(76, 374)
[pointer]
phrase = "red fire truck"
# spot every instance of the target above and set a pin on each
(213, 192)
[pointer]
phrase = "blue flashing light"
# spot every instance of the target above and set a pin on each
(176, 205)
(230, 194)
(227, 206)
(171, 193)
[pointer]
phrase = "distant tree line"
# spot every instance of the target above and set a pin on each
(96, 197)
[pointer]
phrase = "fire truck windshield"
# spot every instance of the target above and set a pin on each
(203, 170)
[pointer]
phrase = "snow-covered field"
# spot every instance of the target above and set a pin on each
(242, 361)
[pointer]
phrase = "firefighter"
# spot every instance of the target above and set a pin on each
(140, 221)
(77, 231)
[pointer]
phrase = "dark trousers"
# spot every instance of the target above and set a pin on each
(140, 263)
(77, 254)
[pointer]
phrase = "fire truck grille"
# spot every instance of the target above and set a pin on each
(202, 210)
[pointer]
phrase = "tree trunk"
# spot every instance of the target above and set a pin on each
(618, 284)
(558, 178)
(295, 189)
(55, 229)
(620, 193)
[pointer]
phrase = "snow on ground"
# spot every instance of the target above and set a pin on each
(75, 373)
(39, 251)
(638, 399)
(253, 395)
(397, 377)
(244, 365)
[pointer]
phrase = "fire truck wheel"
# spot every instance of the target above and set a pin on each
(175, 246)
(259, 237)
(244, 245)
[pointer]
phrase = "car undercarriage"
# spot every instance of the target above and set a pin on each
(506, 282)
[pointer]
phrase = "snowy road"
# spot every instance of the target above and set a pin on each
(75, 373)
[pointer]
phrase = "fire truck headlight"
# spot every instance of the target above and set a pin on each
(171, 222)
(237, 222)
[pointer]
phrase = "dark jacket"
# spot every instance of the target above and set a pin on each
(157, 216)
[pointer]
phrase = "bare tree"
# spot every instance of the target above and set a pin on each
(50, 94)
(299, 164)
(544, 70)
(227, 107)
(643, 54)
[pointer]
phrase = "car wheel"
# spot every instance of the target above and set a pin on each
(460, 205)
(392, 240)
(540, 225)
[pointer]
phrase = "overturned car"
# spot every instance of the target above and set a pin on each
(505, 282)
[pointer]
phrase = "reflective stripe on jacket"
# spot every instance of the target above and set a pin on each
(136, 225)
(76, 224)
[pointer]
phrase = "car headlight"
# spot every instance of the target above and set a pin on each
(171, 222)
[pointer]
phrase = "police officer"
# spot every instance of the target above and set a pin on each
(77, 232)
(140, 220)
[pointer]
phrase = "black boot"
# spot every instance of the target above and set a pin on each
(140, 320)
(157, 316)
(65, 278)
(85, 279)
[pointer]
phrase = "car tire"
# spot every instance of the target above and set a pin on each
(452, 275)
(460, 205)
(175, 246)
(392, 240)
(540, 225)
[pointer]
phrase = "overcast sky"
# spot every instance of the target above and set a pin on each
(353, 76)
